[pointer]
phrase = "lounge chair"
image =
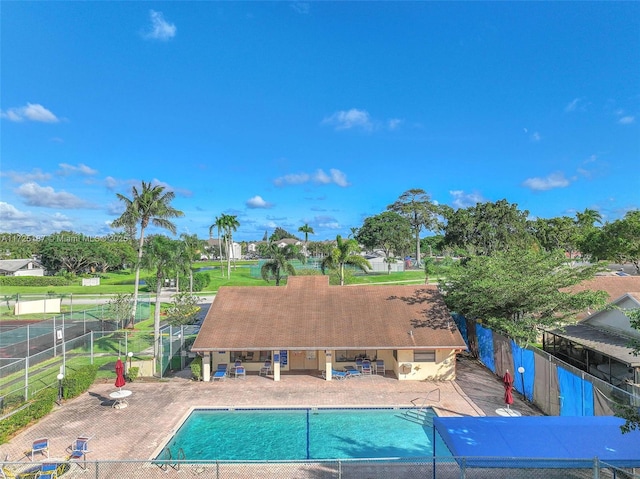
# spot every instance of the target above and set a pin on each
(266, 368)
(48, 470)
(40, 445)
(353, 372)
(339, 375)
(79, 449)
(220, 375)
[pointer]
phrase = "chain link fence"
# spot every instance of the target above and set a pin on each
(409, 468)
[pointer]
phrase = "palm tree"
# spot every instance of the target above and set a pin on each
(345, 252)
(279, 265)
(160, 256)
(218, 224)
(588, 217)
(307, 230)
(191, 249)
(149, 205)
(229, 224)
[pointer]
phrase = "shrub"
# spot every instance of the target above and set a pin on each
(77, 382)
(34, 281)
(41, 405)
(132, 373)
(196, 368)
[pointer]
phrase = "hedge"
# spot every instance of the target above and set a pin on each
(74, 384)
(34, 281)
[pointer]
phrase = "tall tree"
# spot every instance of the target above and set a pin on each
(617, 241)
(487, 228)
(191, 249)
(149, 205)
(517, 292)
(229, 224)
(219, 225)
(588, 218)
(556, 233)
(388, 231)
(416, 206)
(160, 254)
(279, 263)
(307, 230)
(345, 253)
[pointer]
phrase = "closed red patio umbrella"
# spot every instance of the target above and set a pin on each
(508, 386)
(120, 374)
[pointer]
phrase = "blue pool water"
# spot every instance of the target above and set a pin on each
(291, 434)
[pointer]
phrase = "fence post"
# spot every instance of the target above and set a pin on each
(596, 468)
(339, 469)
(26, 377)
(97, 467)
(91, 347)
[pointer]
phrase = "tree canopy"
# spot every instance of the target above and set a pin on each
(518, 292)
(388, 231)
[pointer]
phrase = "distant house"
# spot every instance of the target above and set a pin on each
(20, 267)
(289, 241)
(600, 344)
(236, 248)
(311, 326)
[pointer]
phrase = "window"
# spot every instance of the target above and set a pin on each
(250, 356)
(424, 356)
(350, 355)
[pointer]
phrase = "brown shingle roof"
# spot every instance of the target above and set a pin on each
(614, 286)
(307, 313)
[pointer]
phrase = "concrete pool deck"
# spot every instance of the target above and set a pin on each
(156, 408)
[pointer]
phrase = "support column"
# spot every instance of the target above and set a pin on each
(206, 367)
(328, 367)
(276, 365)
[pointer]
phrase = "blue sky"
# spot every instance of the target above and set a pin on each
(286, 113)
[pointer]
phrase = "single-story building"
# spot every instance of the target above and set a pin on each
(309, 325)
(20, 267)
(601, 344)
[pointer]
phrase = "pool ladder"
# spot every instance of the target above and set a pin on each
(420, 413)
(180, 456)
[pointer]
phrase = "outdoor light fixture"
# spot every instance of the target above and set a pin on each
(60, 378)
(521, 371)
(130, 355)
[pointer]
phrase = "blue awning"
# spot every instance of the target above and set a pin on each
(562, 441)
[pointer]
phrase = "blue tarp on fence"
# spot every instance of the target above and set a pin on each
(523, 358)
(576, 394)
(485, 347)
(461, 323)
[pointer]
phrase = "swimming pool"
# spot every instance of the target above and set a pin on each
(304, 433)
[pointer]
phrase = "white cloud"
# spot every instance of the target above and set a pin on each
(293, 179)
(301, 7)
(394, 123)
(536, 137)
(554, 180)
(8, 212)
(577, 104)
(12, 220)
(626, 120)
(110, 182)
(334, 176)
(465, 200)
(67, 169)
(347, 119)
(31, 112)
(35, 195)
(22, 177)
(160, 28)
(257, 202)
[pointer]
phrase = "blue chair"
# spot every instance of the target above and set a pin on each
(79, 449)
(353, 372)
(40, 445)
(366, 368)
(48, 470)
(266, 368)
(380, 367)
(359, 364)
(219, 375)
(340, 375)
(241, 372)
